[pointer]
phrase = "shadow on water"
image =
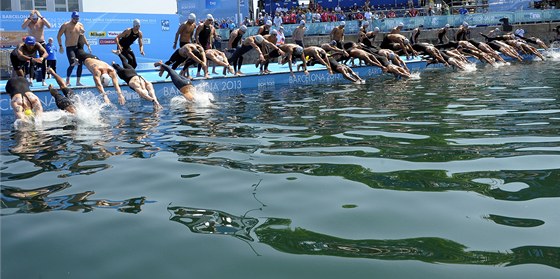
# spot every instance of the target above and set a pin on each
(278, 234)
(39, 200)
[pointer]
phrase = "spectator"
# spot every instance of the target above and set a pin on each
(298, 34)
(391, 14)
(280, 37)
(51, 59)
(463, 10)
(278, 19)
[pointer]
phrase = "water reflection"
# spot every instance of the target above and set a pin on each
(277, 233)
(40, 200)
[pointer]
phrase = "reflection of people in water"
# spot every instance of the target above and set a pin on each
(38, 200)
(214, 221)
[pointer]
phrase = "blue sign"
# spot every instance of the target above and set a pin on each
(101, 30)
(212, 4)
(220, 9)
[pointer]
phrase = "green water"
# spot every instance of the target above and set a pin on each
(453, 175)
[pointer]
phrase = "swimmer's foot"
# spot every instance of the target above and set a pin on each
(79, 84)
(116, 51)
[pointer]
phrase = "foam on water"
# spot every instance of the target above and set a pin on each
(89, 109)
(470, 67)
(415, 75)
(501, 64)
(202, 99)
(552, 54)
(89, 113)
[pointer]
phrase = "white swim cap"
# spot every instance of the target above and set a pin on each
(192, 17)
(209, 17)
(106, 79)
(298, 50)
(136, 22)
(302, 22)
(365, 23)
(259, 38)
(376, 29)
(268, 23)
(447, 25)
(35, 16)
(243, 28)
(497, 29)
(342, 23)
(273, 32)
(465, 23)
(401, 24)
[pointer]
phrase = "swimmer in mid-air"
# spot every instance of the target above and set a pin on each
(182, 83)
(63, 102)
(136, 82)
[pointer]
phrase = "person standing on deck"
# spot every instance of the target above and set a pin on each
(298, 33)
(234, 43)
(72, 30)
(337, 34)
(265, 29)
(442, 34)
(35, 24)
(185, 31)
(126, 39)
(205, 34)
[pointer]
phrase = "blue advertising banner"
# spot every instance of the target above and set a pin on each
(101, 30)
(508, 5)
(219, 9)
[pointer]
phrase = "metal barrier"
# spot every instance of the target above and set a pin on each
(429, 22)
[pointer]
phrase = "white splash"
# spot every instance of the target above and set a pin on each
(89, 108)
(501, 64)
(202, 99)
(470, 67)
(552, 54)
(415, 75)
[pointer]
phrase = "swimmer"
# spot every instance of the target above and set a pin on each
(181, 82)
(534, 40)
(24, 56)
(346, 71)
(252, 42)
(442, 34)
(319, 55)
(430, 50)
(25, 104)
(140, 85)
(126, 39)
(185, 32)
(367, 57)
(270, 50)
(292, 52)
(398, 42)
(487, 49)
(393, 58)
(334, 51)
(219, 58)
(524, 47)
(337, 34)
(103, 74)
(63, 102)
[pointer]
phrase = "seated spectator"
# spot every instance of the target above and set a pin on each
(391, 14)
(413, 12)
(463, 10)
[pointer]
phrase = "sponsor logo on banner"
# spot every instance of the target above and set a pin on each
(212, 4)
(165, 25)
(92, 42)
(107, 42)
(113, 34)
(97, 34)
